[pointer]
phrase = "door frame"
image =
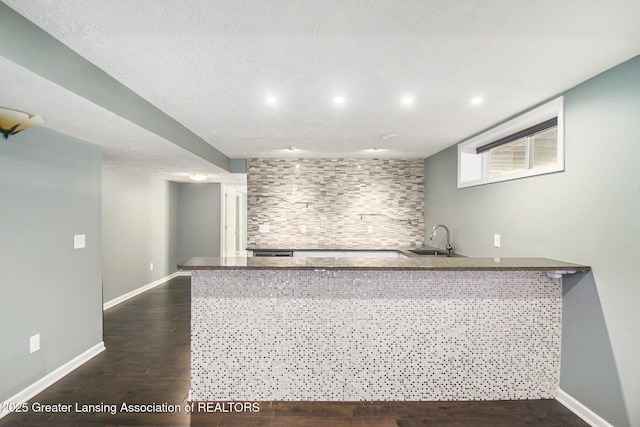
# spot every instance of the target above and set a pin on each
(239, 188)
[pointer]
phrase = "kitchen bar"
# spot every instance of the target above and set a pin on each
(350, 329)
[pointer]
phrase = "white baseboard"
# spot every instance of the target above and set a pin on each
(122, 298)
(49, 379)
(582, 411)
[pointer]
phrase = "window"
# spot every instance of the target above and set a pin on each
(535, 150)
(507, 158)
(531, 144)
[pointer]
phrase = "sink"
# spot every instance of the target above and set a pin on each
(429, 252)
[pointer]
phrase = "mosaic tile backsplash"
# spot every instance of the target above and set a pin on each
(335, 203)
(350, 336)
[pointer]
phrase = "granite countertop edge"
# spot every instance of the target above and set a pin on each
(440, 263)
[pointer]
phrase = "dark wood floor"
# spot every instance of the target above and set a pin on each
(147, 361)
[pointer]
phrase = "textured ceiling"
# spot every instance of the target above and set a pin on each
(125, 145)
(211, 64)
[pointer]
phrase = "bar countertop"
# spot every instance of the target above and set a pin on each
(425, 263)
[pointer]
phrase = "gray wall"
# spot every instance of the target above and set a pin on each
(590, 214)
(139, 227)
(337, 200)
(198, 220)
(49, 191)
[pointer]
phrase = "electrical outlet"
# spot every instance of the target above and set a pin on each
(34, 343)
(79, 241)
(303, 229)
(263, 228)
(496, 240)
(370, 229)
(150, 266)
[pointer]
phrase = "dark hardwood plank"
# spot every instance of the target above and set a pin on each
(148, 360)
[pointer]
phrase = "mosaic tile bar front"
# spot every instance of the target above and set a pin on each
(348, 336)
(335, 203)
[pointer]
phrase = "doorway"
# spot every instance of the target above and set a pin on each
(233, 233)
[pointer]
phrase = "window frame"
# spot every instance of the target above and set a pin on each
(473, 166)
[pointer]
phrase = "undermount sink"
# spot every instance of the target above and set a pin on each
(429, 252)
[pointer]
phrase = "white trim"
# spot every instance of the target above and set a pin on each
(580, 410)
(122, 298)
(49, 379)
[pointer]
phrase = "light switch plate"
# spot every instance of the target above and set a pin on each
(370, 229)
(303, 229)
(79, 241)
(496, 240)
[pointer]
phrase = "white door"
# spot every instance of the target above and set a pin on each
(234, 221)
(241, 221)
(230, 228)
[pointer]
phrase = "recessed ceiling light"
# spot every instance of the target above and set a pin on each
(271, 100)
(389, 135)
(198, 177)
(291, 148)
(376, 148)
(339, 100)
(476, 100)
(407, 100)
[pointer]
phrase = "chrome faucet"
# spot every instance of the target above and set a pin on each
(449, 249)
